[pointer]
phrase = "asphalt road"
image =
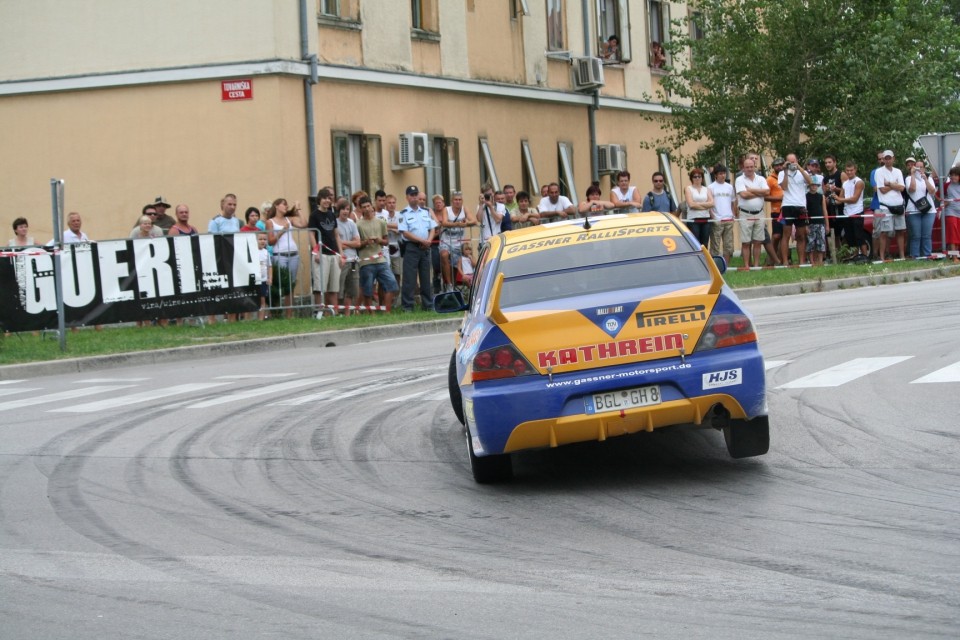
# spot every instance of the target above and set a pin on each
(325, 493)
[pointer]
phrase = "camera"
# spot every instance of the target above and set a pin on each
(487, 197)
(793, 166)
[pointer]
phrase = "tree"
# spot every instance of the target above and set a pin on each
(847, 77)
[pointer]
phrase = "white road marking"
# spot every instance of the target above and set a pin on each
(950, 373)
(239, 396)
(843, 373)
(13, 392)
(773, 364)
(102, 380)
(61, 395)
(243, 376)
(11, 381)
(339, 394)
(146, 396)
(312, 397)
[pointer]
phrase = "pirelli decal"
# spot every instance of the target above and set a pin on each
(677, 315)
(609, 350)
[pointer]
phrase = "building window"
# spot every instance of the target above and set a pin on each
(613, 21)
(423, 15)
(667, 170)
(659, 14)
(442, 173)
(567, 185)
(520, 8)
(555, 25)
(330, 8)
(357, 163)
(488, 172)
(530, 183)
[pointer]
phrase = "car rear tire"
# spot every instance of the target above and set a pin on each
(489, 469)
(748, 438)
(456, 398)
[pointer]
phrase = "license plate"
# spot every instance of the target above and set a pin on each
(623, 399)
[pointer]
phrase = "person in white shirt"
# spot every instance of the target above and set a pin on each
(794, 180)
(751, 190)
(721, 234)
(920, 210)
(625, 194)
(73, 234)
(889, 220)
(555, 206)
(852, 201)
(489, 214)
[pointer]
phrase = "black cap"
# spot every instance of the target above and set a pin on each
(412, 190)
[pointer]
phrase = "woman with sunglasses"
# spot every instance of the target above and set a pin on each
(699, 207)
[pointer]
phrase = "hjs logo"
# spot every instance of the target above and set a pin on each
(727, 378)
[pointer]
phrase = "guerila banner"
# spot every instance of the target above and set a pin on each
(129, 280)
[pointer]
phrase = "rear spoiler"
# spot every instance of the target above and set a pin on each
(495, 314)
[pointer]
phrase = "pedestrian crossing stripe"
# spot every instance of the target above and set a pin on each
(843, 373)
(136, 398)
(950, 373)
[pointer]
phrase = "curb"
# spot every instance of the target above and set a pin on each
(360, 335)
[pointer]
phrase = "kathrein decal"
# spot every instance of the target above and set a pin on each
(677, 315)
(609, 350)
(717, 379)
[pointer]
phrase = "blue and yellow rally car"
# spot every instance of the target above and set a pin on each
(592, 328)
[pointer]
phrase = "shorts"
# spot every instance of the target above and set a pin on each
(752, 230)
(883, 223)
(796, 216)
(451, 247)
(721, 237)
(326, 273)
(264, 291)
(777, 226)
(817, 238)
(953, 229)
(350, 280)
(378, 272)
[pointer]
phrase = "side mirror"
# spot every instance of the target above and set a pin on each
(449, 302)
(721, 263)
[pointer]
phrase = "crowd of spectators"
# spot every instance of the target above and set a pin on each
(363, 251)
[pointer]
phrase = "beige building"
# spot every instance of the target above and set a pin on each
(126, 100)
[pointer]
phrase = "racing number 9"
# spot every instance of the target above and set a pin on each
(670, 244)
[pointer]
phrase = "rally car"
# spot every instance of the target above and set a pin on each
(591, 328)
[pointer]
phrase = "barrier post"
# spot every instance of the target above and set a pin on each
(56, 197)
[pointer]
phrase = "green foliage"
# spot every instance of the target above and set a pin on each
(847, 77)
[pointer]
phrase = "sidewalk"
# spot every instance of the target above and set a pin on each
(346, 337)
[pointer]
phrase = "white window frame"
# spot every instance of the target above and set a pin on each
(565, 151)
(530, 168)
(488, 171)
(330, 8)
(667, 172)
(557, 44)
(364, 161)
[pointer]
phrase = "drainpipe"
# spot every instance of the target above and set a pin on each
(592, 109)
(308, 83)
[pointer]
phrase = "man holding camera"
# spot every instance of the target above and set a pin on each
(793, 179)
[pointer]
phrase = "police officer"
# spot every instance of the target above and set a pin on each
(417, 227)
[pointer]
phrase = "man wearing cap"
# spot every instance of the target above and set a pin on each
(889, 189)
(163, 220)
(417, 227)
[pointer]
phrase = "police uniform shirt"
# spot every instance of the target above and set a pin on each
(417, 221)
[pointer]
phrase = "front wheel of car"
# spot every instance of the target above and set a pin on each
(456, 397)
(747, 438)
(489, 469)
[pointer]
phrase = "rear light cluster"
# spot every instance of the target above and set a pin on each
(500, 362)
(726, 330)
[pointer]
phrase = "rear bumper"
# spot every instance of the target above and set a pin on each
(534, 412)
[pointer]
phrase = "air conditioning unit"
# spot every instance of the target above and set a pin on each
(587, 73)
(611, 158)
(413, 149)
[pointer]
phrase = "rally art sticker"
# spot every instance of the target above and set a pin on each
(717, 379)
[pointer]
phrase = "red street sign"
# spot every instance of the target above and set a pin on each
(236, 89)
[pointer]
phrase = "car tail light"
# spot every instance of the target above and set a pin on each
(500, 362)
(726, 330)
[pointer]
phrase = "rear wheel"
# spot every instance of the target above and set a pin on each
(456, 398)
(489, 469)
(747, 438)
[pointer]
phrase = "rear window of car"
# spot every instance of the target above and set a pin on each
(530, 288)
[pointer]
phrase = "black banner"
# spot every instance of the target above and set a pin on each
(129, 280)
